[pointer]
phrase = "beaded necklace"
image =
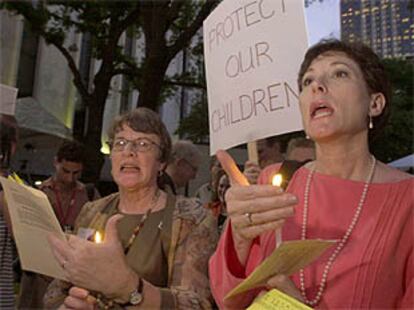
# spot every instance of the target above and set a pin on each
(341, 243)
(138, 228)
(101, 300)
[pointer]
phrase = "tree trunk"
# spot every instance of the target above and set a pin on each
(94, 159)
(149, 94)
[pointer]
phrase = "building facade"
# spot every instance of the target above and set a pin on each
(45, 84)
(385, 25)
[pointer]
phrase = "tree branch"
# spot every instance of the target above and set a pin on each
(174, 11)
(188, 33)
(185, 84)
(77, 79)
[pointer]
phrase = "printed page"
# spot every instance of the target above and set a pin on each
(287, 259)
(276, 300)
(33, 220)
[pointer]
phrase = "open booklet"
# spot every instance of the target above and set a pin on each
(33, 220)
(287, 259)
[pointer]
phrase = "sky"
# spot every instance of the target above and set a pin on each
(322, 20)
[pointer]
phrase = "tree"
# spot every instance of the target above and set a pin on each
(167, 27)
(396, 140)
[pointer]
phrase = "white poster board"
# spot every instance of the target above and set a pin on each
(253, 50)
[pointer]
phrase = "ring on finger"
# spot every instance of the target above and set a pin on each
(248, 215)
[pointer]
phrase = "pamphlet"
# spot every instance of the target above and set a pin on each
(33, 219)
(288, 258)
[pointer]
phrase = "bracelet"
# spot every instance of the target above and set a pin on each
(104, 303)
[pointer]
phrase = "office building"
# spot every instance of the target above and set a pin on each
(385, 25)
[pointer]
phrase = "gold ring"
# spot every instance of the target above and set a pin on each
(249, 217)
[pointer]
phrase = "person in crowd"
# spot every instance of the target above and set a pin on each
(64, 190)
(183, 166)
(345, 194)
(217, 205)
(67, 195)
(206, 192)
(269, 151)
(299, 151)
(222, 187)
(8, 141)
(156, 245)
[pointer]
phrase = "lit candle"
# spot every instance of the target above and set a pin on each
(97, 238)
(277, 180)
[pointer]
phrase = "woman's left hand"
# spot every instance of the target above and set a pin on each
(284, 284)
(78, 298)
(97, 267)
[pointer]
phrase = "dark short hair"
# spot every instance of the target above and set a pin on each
(146, 121)
(72, 151)
(8, 137)
(373, 71)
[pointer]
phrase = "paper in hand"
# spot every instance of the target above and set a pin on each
(33, 220)
(288, 258)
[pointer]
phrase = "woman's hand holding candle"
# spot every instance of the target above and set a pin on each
(253, 209)
(89, 265)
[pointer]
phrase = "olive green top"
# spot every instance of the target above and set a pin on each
(147, 254)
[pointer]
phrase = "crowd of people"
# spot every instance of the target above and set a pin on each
(165, 250)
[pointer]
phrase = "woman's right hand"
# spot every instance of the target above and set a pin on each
(253, 209)
(256, 209)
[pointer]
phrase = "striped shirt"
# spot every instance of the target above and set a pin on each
(6, 267)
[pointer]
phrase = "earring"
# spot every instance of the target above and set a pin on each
(160, 173)
(307, 137)
(371, 124)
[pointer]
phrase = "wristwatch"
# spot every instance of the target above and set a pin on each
(136, 296)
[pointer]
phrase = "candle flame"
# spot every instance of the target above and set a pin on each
(277, 180)
(98, 237)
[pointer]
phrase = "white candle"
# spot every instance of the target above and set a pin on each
(277, 181)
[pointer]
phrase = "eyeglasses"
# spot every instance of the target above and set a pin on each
(137, 145)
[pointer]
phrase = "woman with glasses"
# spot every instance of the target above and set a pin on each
(160, 258)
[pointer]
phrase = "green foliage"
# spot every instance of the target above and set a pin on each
(195, 126)
(396, 140)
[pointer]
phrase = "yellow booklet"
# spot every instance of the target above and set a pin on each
(275, 299)
(287, 259)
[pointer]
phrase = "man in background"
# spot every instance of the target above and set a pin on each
(300, 150)
(64, 190)
(183, 167)
(269, 152)
(67, 195)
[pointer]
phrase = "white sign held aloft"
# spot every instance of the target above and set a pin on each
(253, 50)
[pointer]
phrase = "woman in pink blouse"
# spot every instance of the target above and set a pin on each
(345, 194)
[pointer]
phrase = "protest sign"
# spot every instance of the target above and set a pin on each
(253, 50)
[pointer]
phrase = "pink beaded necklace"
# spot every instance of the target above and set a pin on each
(341, 243)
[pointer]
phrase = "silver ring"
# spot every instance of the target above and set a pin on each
(249, 217)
